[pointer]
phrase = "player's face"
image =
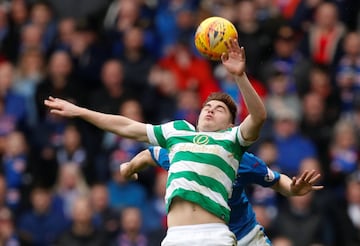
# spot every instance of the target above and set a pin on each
(214, 116)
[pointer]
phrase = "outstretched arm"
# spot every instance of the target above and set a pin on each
(142, 160)
(117, 124)
(298, 186)
(234, 62)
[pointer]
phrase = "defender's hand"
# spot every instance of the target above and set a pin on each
(303, 185)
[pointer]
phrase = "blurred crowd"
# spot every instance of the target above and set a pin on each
(59, 178)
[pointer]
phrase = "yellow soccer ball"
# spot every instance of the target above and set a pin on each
(211, 34)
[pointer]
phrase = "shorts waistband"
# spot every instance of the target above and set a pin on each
(209, 226)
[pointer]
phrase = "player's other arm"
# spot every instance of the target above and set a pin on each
(117, 124)
(142, 160)
(298, 186)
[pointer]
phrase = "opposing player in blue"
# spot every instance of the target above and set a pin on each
(252, 170)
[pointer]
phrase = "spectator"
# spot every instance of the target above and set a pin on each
(280, 97)
(137, 62)
(131, 234)
(88, 54)
(72, 151)
(69, 185)
(14, 103)
(302, 223)
(104, 216)
(343, 150)
(186, 68)
(15, 166)
(9, 37)
(41, 15)
(82, 231)
(348, 73)
(64, 34)
(287, 59)
(123, 193)
(42, 224)
(289, 140)
(322, 41)
(321, 83)
(123, 15)
(31, 37)
(117, 149)
(29, 73)
(164, 84)
(110, 95)
(8, 233)
(107, 99)
(154, 223)
(57, 82)
(256, 40)
(347, 213)
(171, 19)
(315, 126)
(188, 106)
(44, 139)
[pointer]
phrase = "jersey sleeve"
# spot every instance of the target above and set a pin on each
(253, 170)
(155, 135)
(160, 156)
(240, 138)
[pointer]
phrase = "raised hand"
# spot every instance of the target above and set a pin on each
(234, 59)
(305, 183)
(61, 107)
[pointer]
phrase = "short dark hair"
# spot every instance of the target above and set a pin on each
(225, 98)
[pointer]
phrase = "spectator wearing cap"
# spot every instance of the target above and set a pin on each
(280, 97)
(291, 144)
(87, 53)
(347, 213)
(288, 60)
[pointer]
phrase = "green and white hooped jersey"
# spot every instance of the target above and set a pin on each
(203, 165)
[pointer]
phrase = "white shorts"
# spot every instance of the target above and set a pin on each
(213, 234)
(256, 237)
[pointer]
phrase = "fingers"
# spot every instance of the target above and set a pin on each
(315, 178)
(303, 175)
(232, 45)
(224, 57)
(317, 187)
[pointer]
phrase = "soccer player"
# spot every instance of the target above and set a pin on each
(252, 170)
(204, 160)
